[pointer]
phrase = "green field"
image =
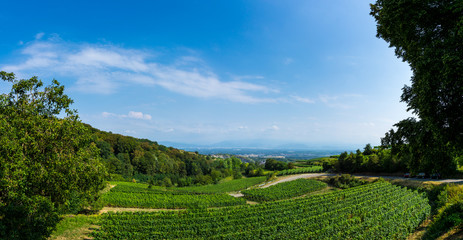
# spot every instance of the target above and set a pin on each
(228, 186)
(139, 195)
(373, 211)
(284, 190)
(311, 169)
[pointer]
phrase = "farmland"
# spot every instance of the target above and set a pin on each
(283, 190)
(311, 169)
(139, 195)
(229, 186)
(372, 211)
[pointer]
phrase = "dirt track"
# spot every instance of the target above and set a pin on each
(296, 176)
(309, 175)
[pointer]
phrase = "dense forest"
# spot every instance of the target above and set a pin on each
(128, 158)
(131, 159)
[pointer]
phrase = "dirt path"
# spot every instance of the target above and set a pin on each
(236, 194)
(296, 176)
(279, 180)
(311, 175)
(457, 181)
(119, 209)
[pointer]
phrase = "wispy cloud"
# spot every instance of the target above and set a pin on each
(302, 99)
(139, 115)
(131, 114)
(339, 101)
(288, 61)
(104, 69)
(39, 35)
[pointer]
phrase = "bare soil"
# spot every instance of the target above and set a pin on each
(119, 209)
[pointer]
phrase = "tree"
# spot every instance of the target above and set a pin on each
(48, 165)
(428, 35)
(414, 141)
(368, 149)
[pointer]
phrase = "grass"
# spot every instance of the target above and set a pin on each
(74, 227)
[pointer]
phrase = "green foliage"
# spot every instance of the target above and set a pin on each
(272, 164)
(428, 35)
(420, 148)
(372, 211)
(327, 163)
(450, 194)
(28, 218)
(378, 160)
(145, 160)
(449, 216)
(312, 169)
(48, 165)
(283, 190)
(368, 150)
(447, 201)
(271, 176)
(228, 186)
(139, 195)
(71, 226)
(345, 181)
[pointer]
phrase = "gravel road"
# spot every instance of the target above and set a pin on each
(309, 175)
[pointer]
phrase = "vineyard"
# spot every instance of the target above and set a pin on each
(139, 195)
(283, 190)
(373, 211)
(230, 186)
(312, 169)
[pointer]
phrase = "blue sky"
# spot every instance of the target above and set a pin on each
(202, 72)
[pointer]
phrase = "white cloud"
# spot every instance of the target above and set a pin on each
(272, 128)
(302, 99)
(132, 114)
(139, 115)
(107, 114)
(39, 35)
(103, 69)
(339, 101)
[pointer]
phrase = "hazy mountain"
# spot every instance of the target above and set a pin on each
(263, 144)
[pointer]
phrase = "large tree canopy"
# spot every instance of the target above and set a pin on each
(48, 165)
(428, 34)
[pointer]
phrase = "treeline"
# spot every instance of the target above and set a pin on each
(386, 159)
(128, 158)
(369, 160)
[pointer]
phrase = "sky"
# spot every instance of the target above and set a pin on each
(202, 72)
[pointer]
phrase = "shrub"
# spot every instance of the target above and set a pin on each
(345, 181)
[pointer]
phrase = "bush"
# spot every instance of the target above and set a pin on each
(28, 218)
(345, 181)
(450, 194)
(448, 217)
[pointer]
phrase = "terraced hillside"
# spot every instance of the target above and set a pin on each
(373, 211)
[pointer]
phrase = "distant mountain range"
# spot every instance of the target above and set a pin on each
(262, 144)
